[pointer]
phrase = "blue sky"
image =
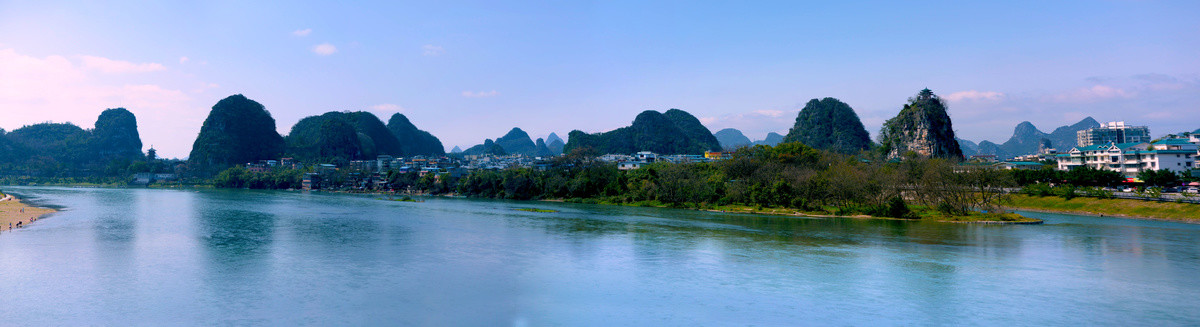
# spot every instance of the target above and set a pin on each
(466, 71)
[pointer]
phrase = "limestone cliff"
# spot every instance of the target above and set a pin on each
(923, 127)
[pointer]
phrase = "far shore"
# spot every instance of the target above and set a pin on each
(13, 211)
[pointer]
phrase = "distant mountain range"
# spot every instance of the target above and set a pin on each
(1027, 138)
(516, 141)
(731, 138)
(555, 144)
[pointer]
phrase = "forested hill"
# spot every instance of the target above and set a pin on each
(923, 128)
(414, 141)
(63, 149)
(675, 132)
(829, 124)
(337, 137)
(516, 141)
(238, 130)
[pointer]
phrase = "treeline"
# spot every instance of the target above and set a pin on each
(64, 152)
(788, 175)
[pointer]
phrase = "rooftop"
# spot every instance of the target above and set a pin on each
(1173, 141)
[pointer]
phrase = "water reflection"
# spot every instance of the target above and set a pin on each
(219, 257)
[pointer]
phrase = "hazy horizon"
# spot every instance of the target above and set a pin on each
(470, 71)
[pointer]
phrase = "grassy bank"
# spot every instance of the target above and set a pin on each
(1110, 207)
(918, 212)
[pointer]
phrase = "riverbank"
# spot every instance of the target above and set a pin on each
(922, 213)
(13, 211)
(1121, 208)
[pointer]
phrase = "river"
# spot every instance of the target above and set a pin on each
(239, 257)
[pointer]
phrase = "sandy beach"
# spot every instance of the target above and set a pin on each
(12, 210)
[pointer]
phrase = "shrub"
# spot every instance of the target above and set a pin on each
(1038, 189)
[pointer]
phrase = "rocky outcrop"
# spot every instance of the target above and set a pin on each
(116, 135)
(922, 128)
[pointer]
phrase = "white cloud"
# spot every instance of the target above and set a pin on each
(183, 59)
(205, 87)
(480, 94)
(324, 49)
(973, 95)
(1094, 93)
(302, 33)
(755, 124)
(432, 50)
(387, 107)
(77, 88)
(769, 113)
(118, 66)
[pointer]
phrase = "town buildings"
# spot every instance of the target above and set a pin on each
(1131, 158)
(1112, 132)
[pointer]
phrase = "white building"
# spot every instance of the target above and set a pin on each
(1112, 132)
(1129, 159)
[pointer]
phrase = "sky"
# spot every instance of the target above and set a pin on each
(470, 70)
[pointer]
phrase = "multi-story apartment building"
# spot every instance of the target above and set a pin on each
(1131, 158)
(1112, 132)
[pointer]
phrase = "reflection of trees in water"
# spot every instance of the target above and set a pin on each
(235, 233)
(1136, 238)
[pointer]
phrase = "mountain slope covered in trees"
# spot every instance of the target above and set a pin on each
(238, 130)
(414, 141)
(829, 124)
(922, 127)
(674, 132)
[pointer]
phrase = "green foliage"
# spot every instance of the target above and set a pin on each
(58, 150)
(238, 130)
(240, 177)
(1096, 192)
(1088, 176)
(673, 132)
(922, 126)
(516, 141)
(337, 137)
(1038, 190)
(412, 140)
(1161, 178)
(1066, 192)
(829, 124)
(116, 136)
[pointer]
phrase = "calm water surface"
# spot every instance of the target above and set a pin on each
(167, 257)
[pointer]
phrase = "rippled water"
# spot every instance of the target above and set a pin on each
(168, 257)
